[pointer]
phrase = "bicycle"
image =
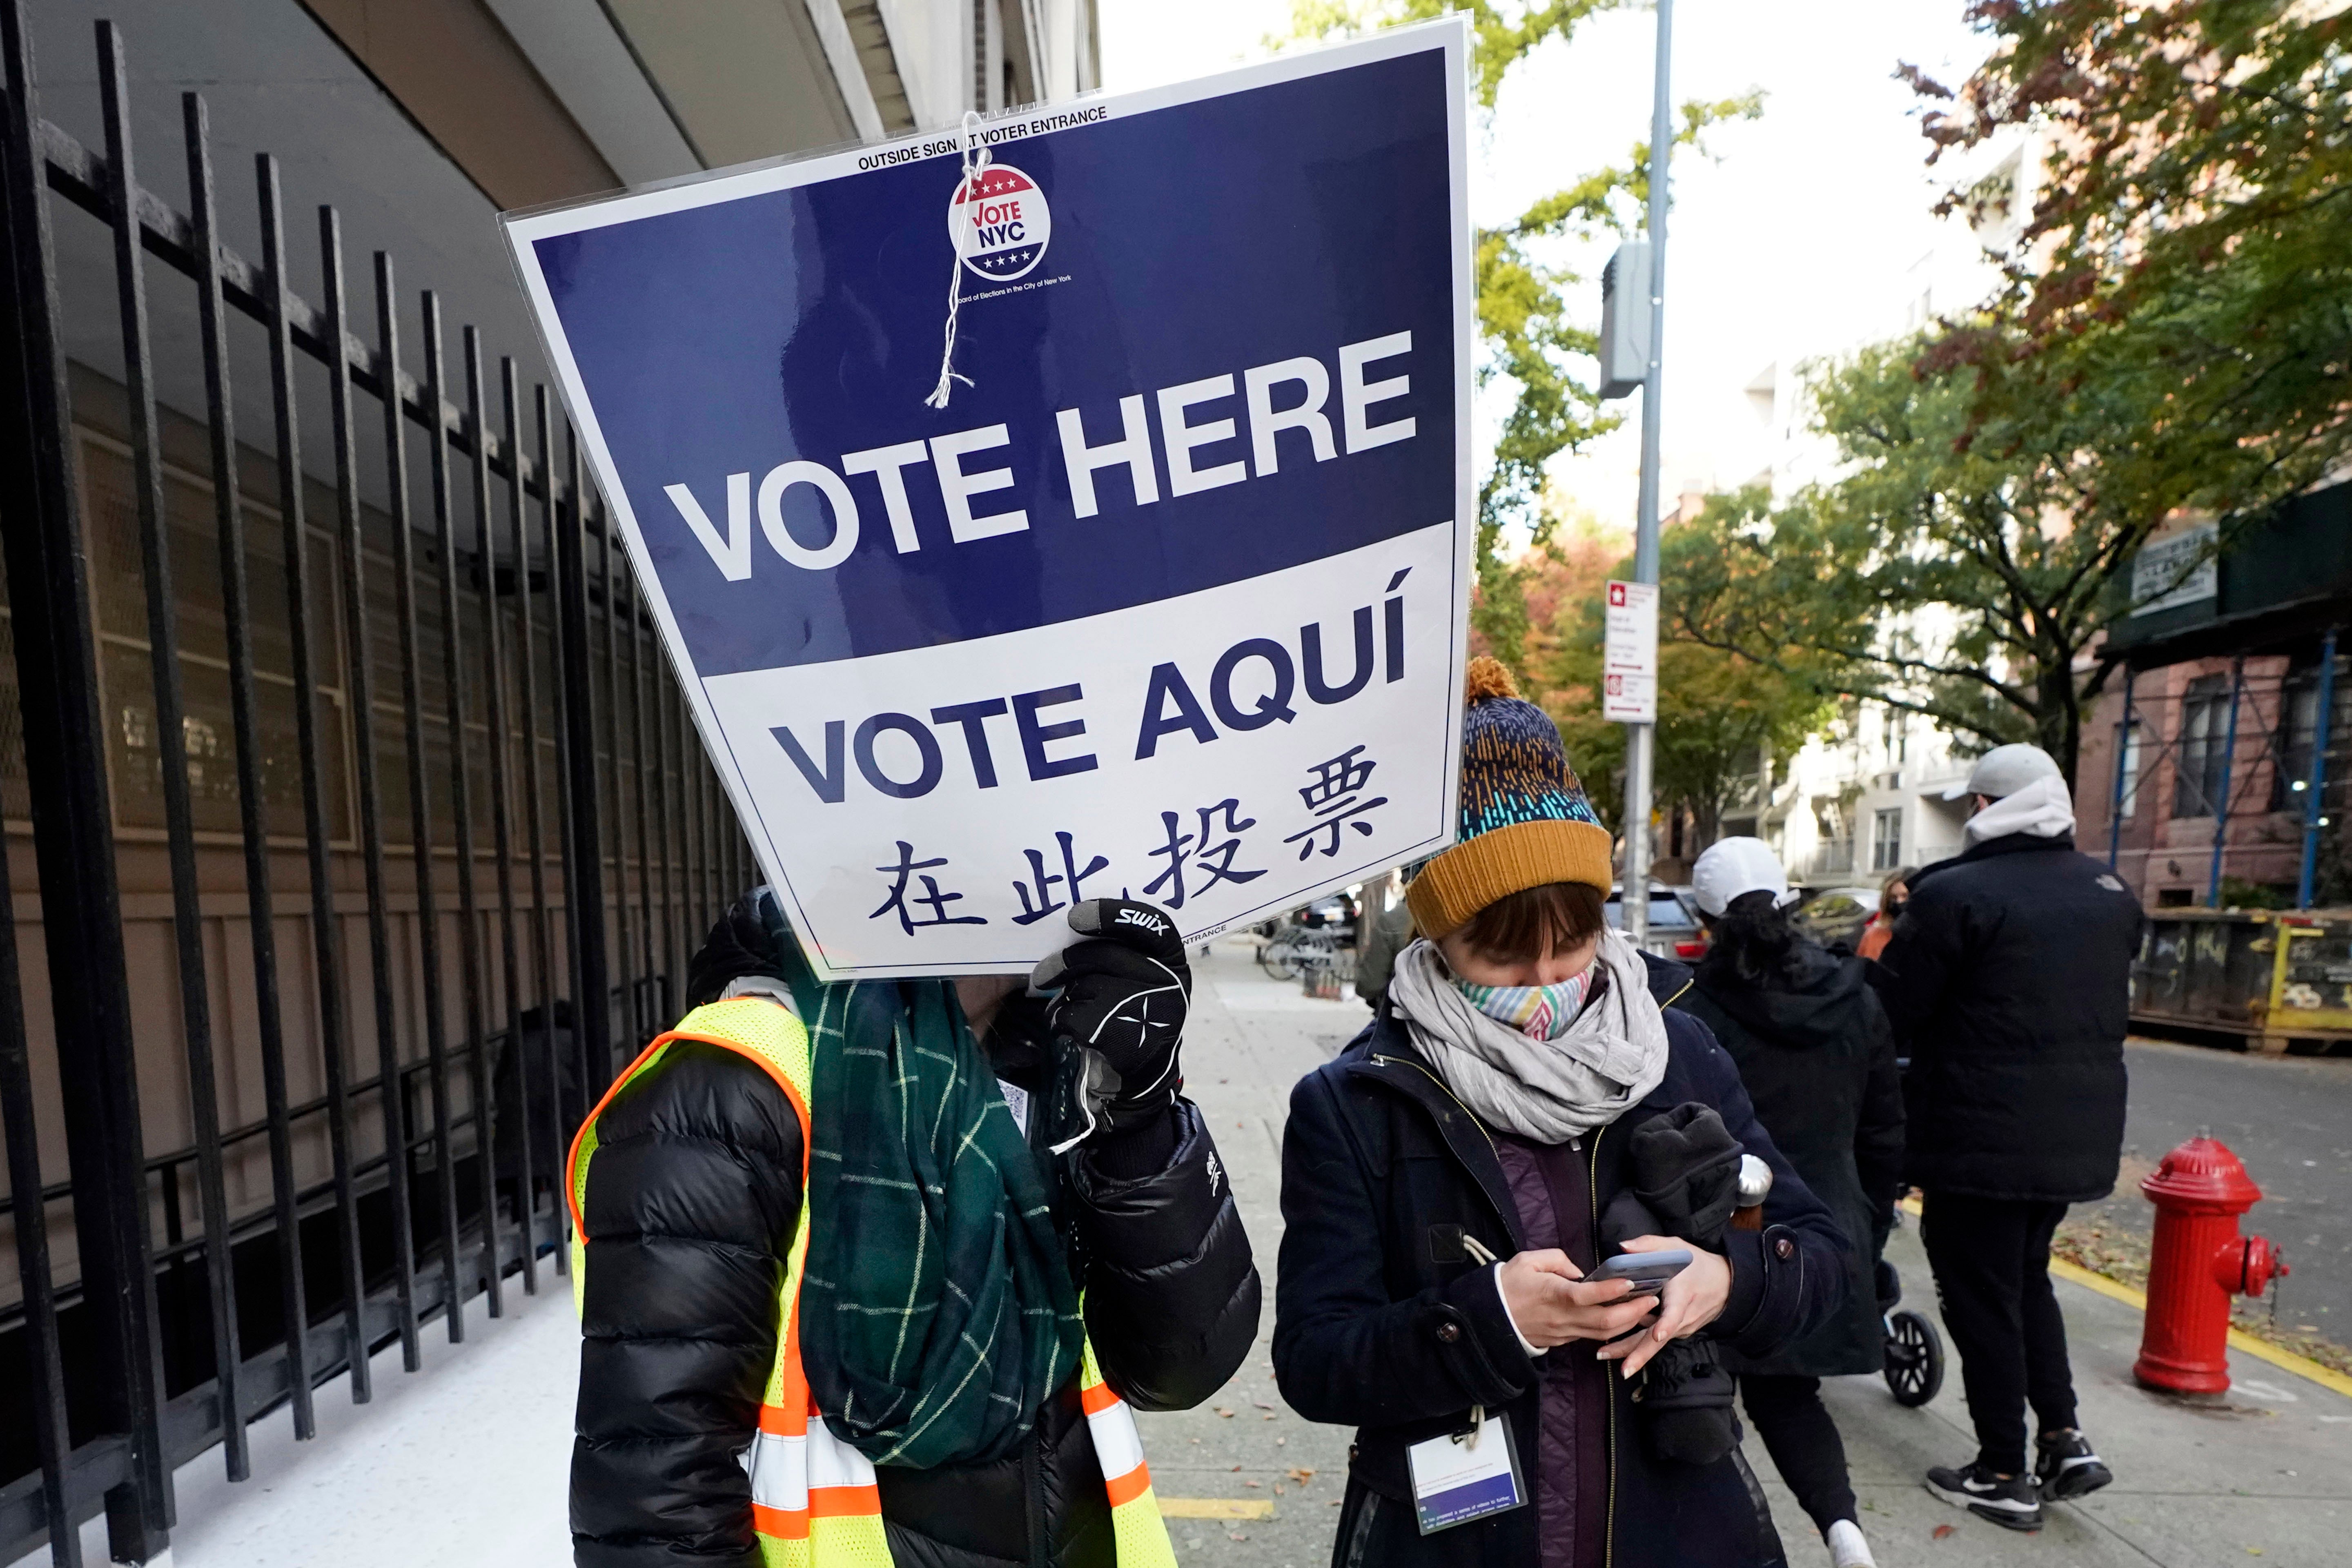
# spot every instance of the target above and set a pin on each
(1294, 947)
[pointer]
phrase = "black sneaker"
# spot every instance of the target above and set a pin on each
(2013, 1504)
(2067, 1467)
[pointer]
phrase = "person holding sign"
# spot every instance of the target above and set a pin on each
(873, 1272)
(1510, 1253)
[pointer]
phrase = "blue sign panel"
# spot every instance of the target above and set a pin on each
(1193, 485)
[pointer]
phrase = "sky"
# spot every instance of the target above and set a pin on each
(1802, 233)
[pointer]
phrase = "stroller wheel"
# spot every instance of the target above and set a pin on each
(1914, 1359)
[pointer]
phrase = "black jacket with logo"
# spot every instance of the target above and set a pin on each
(692, 1197)
(2009, 981)
(1384, 1323)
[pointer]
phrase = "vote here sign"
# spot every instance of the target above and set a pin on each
(1168, 601)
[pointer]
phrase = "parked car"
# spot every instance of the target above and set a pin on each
(1674, 927)
(1836, 915)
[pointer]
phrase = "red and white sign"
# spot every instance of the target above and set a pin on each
(1628, 654)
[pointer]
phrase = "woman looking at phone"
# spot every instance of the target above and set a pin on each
(1448, 1184)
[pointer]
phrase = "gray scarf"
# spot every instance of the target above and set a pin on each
(1547, 1091)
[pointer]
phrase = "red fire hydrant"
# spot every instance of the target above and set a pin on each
(2200, 1262)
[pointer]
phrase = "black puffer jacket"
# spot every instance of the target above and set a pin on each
(692, 1197)
(1384, 1323)
(2009, 981)
(1816, 1056)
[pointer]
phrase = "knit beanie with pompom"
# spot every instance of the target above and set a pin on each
(1524, 818)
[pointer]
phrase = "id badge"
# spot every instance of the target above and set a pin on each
(1467, 1476)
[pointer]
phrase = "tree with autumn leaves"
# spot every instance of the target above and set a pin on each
(2173, 339)
(1536, 344)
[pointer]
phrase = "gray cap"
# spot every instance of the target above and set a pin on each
(2005, 770)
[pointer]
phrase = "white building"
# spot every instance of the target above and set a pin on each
(1864, 796)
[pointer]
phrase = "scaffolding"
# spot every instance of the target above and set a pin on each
(2289, 783)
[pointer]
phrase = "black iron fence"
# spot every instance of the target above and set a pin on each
(347, 767)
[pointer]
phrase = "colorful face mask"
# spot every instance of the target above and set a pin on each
(1538, 1012)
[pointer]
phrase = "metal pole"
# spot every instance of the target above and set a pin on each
(2316, 783)
(2222, 796)
(64, 732)
(163, 661)
(583, 878)
(245, 718)
(1639, 753)
(2122, 755)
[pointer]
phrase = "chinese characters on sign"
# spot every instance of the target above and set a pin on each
(1071, 881)
(1334, 798)
(929, 898)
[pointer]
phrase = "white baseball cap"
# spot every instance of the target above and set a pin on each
(1731, 867)
(2005, 770)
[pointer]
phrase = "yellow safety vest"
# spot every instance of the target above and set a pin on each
(814, 1500)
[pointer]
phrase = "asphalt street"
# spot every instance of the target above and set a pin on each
(2289, 1119)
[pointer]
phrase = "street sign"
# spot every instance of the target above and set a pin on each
(1169, 600)
(2183, 568)
(1629, 655)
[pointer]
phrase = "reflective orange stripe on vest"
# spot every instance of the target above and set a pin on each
(814, 1501)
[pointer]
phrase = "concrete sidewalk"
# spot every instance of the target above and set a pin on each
(463, 1462)
(2264, 1472)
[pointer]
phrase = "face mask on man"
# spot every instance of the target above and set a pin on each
(1538, 1012)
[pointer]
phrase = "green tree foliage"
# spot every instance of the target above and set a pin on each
(1533, 341)
(2191, 248)
(1960, 570)
(1719, 709)
(2173, 338)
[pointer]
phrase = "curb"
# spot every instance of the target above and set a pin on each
(2260, 1350)
(2327, 1377)
(1215, 1508)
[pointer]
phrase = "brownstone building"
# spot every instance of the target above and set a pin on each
(2213, 770)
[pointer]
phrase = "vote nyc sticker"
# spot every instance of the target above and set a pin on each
(999, 221)
(1467, 1476)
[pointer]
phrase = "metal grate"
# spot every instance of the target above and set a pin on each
(452, 748)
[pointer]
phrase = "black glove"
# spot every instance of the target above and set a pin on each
(1687, 1172)
(748, 939)
(1119, 999)
(1683, 1404)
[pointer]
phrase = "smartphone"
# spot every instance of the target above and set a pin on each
(1648, 1271)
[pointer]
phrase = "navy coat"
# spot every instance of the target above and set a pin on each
(1818, 1061)
(2008, 985)
(1383, 1320)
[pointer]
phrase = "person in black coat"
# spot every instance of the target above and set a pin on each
(690, 1206)
(1523, 1106)
(1816, 1056)
(2009, 981)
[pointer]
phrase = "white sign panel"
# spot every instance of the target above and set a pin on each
(1168, 600)
(2182, 569)
(1629, 655)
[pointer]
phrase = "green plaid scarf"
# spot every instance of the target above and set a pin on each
(938, 1312)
